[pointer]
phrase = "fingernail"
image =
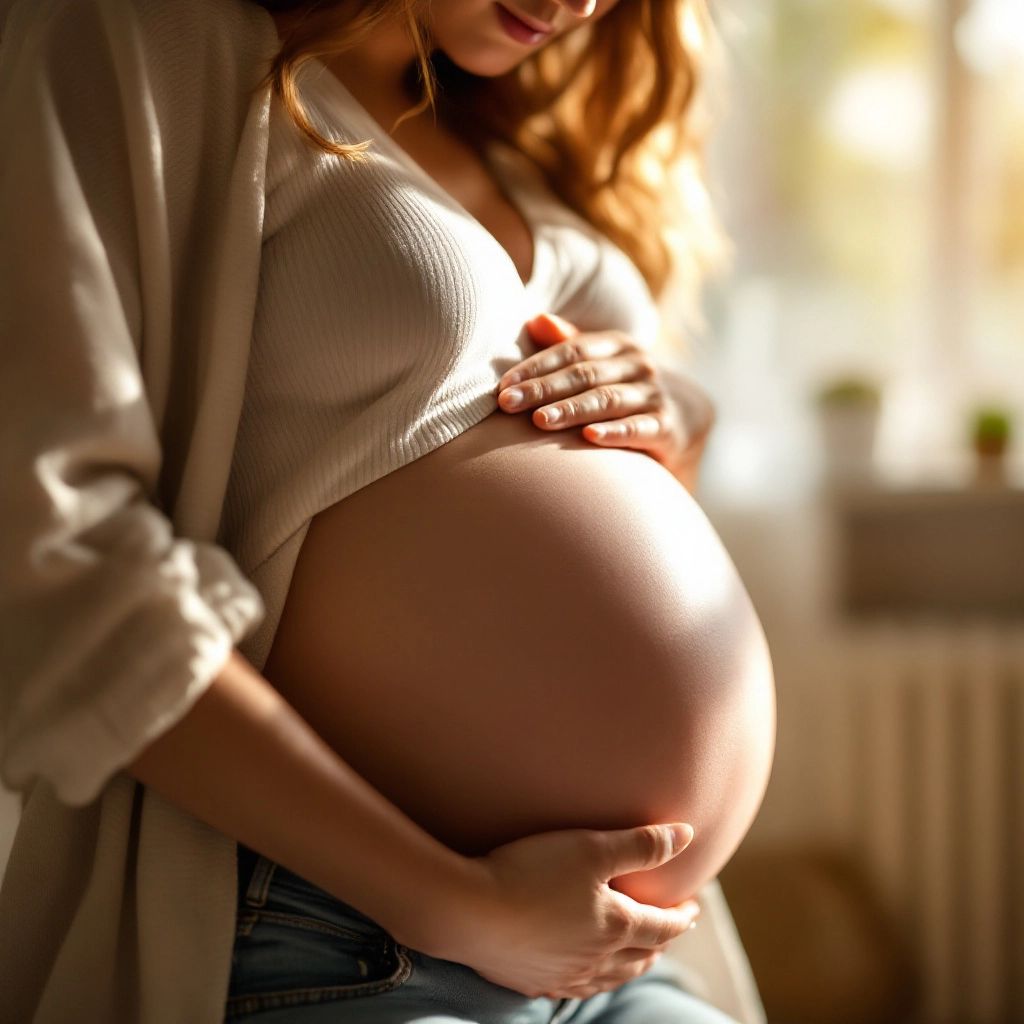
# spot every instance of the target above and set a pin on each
(561, 323)
(682, 834)
(552, 415)
(513, 396)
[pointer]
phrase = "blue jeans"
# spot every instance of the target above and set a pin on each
(303, 957)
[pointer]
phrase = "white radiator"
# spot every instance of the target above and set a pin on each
(935, 784)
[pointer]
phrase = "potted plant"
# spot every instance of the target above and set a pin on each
(990, 435)
(848, 411)
(990, 431)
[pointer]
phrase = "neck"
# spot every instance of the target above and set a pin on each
(385, 57)
(376, 71)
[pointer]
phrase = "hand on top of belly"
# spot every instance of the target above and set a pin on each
(608, 384)
(544, 921)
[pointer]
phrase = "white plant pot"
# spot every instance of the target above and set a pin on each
(848, 435)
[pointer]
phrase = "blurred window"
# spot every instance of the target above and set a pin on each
(869, 165)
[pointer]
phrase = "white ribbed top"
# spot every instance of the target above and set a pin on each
(386, 315)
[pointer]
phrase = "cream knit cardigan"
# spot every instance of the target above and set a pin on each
(131, 205)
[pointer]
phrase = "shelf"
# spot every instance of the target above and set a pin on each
(956, 550)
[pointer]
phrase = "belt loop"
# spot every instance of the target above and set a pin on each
(259, 884)
(259, 881)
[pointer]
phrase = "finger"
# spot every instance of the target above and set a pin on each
(622, 850)
(575, 379)
(575, 350)
(639, 430)
(621, 966)
(617, 977)
(605, 402)
(630, 961)
(609, 981)
(583, 993)
(690, 906)
(628, 964)
(655, 927)
(548, 328)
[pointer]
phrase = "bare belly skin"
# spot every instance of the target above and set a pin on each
(521, 631)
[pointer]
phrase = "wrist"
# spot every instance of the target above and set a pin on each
(686, 467)
(696, 415)
(438, 918)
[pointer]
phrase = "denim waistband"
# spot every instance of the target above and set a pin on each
(254, 890)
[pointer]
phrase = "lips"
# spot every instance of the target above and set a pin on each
(534, 23)
(519, 29)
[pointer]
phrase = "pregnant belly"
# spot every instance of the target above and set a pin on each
(521, 631)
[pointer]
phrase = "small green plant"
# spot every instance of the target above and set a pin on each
(847, 392)
(991, 429)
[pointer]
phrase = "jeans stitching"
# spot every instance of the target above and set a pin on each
(246, 923)
(238, 1005)
(327, 927)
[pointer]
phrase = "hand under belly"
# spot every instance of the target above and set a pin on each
(521, 631)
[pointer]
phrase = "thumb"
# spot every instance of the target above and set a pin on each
(547, 328)
(638, 849)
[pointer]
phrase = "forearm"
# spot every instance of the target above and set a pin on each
(245, 762)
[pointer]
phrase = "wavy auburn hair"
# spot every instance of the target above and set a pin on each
(612, 113)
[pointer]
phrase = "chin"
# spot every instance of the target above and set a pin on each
(487, 63)
(473, 40)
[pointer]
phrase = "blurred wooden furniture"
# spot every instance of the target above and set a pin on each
(822, 950)
(946, 550)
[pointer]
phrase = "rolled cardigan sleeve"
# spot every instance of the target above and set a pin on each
(111, 627)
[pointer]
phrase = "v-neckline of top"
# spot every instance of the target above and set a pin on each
(517, 197)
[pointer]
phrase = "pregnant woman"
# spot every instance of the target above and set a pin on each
(276, 276)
